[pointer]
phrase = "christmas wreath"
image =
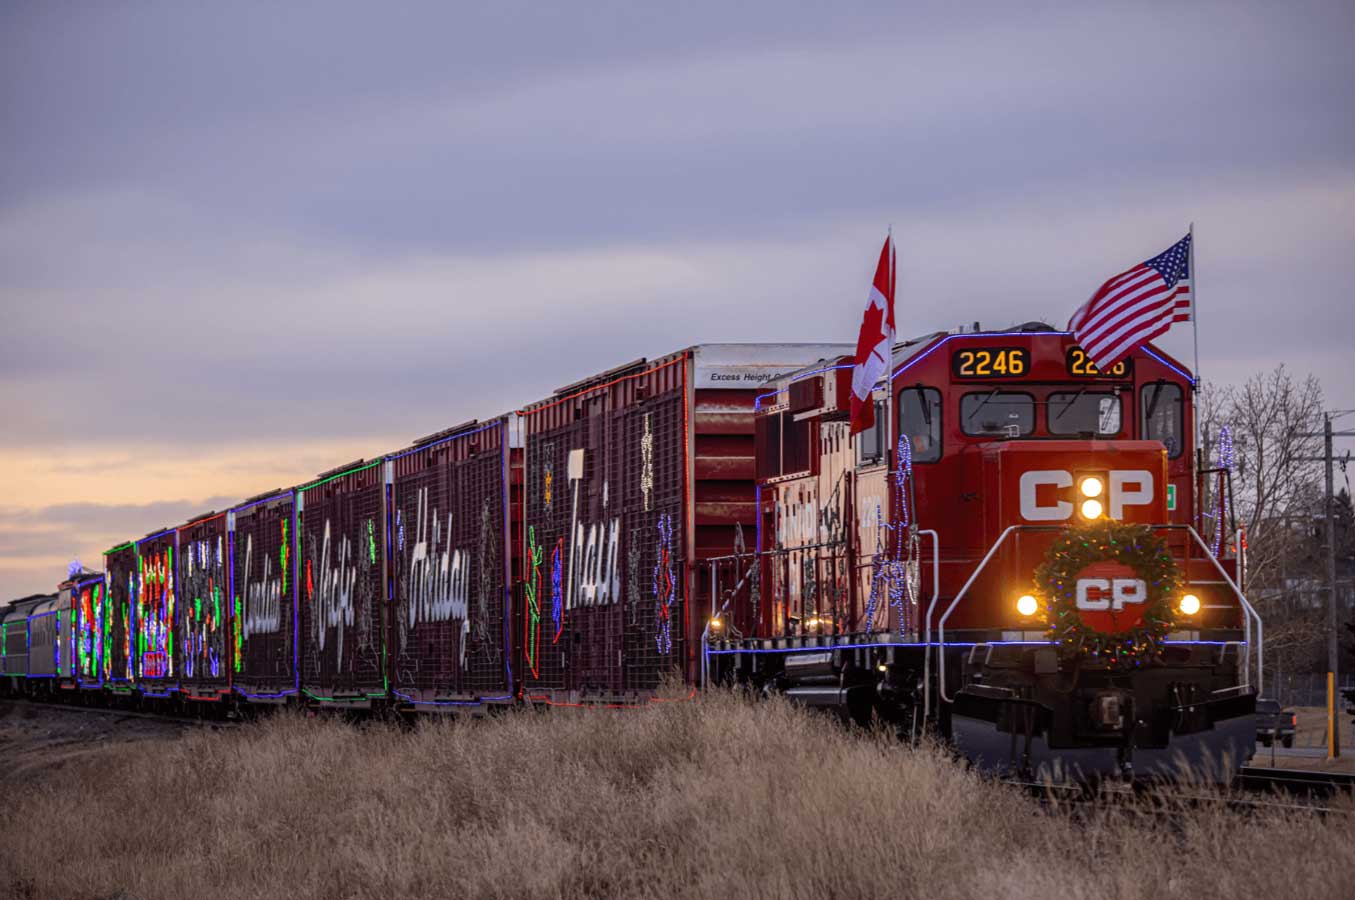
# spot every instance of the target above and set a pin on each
(1107, 591)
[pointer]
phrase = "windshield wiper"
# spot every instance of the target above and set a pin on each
(1069, 405)
(1152, 401)
(922, 401)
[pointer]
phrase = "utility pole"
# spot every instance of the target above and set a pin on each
(1333, 644)
(1333, 651)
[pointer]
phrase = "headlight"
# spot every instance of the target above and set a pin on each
(1091, 486)
(1190, 604)
(1027, 605)
(715, 624)
(1091, 509)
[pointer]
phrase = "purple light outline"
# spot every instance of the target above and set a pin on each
(832, 647)
(504, 451)
(479, 702)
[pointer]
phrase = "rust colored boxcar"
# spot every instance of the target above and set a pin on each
(119, 601)
(202, 626)
(630, 477)
(450, 643)
(341, 545)
(263, 597)
(157, 600)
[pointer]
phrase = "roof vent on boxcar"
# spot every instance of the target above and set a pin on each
(339, 470)
(1033, 326)
(806, 394)
(445, 433)
(602, 377)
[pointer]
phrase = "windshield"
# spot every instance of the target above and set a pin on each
(997, 413)
(1084, 412)
(1268, 706)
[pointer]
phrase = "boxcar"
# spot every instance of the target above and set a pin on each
(201, 625)
(121, 573)
(81, 597)
(448, 496)
(629, 477)
(157, 601)
(342, 550)
(263, 590)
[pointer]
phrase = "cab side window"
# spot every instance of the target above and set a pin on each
(1163, 416)
(870, 444)
(920, 419)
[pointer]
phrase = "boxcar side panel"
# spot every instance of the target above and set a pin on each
(450, 569)
(605, 534)
(157, 601)
(203, 622)
(119, 601)
(87, 633)
(263, 655)
(342, 537)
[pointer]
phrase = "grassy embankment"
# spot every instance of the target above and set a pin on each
(714, 798)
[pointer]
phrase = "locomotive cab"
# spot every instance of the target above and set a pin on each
(1014, 555)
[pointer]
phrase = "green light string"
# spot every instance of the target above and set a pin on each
(352, 471)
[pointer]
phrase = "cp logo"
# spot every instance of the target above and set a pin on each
(1111, 598)
(1110, 593)
(1127, 487)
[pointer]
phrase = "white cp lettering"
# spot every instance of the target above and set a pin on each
(1098, 594)
(1128, 487)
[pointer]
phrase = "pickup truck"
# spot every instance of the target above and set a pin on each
(1273, 723)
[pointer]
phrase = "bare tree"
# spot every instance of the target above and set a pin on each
(1272, 417)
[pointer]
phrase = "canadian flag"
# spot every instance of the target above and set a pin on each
(875, 342)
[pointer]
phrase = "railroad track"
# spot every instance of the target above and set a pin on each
(1308, 790)
(124, 713)
(1295, 781)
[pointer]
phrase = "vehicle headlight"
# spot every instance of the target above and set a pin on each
(1091, 486)
(1092, 509)
(1027, 605)
(1190, 604)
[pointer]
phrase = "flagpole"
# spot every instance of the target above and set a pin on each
(1196, 461)
(1194, 305)
(890, 440)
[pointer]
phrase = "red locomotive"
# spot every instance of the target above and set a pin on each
(897, 574)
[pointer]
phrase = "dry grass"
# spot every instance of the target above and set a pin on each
(713, 798)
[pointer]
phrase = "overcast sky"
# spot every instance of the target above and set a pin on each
(242, 243)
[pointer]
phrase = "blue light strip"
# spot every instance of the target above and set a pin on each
(151, 537)
(757, 401)
(280, 495)
(279, 695)
(450, 437)
(1164, 362)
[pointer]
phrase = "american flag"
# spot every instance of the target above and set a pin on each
(1135, 306)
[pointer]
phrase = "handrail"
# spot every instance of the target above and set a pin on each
(1250, 613)
(941, 625)
(927, 619)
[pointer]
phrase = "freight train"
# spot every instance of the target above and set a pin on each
(1016, 556)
